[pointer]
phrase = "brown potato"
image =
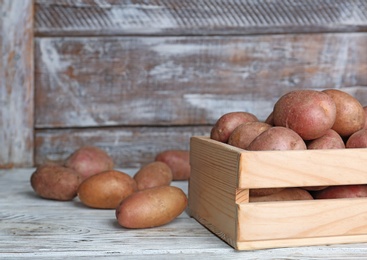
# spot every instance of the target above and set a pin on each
(350, 116)
(89, 160)
(270, 119)
(245, 133)
(330, 140)
(277, 138)
(178, 161)
(365, 113)
(309, 113)
(153, 174)
(264, 191)
(151, 207)
(284, 195)
(55, 182)
(358, 139)
(105, 190)
(228, 122)
(343, 191)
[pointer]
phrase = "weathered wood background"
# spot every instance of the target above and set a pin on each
(139, 77)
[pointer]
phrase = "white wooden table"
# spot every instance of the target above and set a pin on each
(31, 227)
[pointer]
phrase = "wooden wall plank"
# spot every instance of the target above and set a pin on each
(130, 147)
(16, 83)
(177, 17)
(112, 81)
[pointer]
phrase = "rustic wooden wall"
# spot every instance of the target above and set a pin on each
(139, 77)
(16, 83)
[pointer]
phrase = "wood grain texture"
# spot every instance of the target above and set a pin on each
(113, 81)
(215, 200)
(313, 218)
(214, 17)
(35, 228)
(128, 146)
(16, 83)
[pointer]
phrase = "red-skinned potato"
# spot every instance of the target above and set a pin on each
(309, 113)
(51, 181)
(284, 195)
(178, 161)
(245, 133)
(228, 122)
(153, 174)
(151, 207)
(270, 119)
(365, 113)
(358, 139)
(277, 138)
(264, 191)
(105, 190)
(89, 160)
(330, 140)
(350, 116)
(343, 191)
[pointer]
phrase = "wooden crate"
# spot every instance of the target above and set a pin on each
(222, 176)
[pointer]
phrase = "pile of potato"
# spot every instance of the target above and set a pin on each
(143, 200)
(301, 119)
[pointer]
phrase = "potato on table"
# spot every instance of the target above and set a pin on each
(89, 160)
(151, 207)
(178, 161)
(55, 182)
(153, 174)
(105, 190)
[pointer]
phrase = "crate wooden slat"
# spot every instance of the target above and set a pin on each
(214, 17)
(222, 175)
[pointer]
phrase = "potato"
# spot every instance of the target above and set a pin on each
(153, 174)
(151, 207)
(270, 119)
(365, 113)
(245, 133)
(350, 116)
(178, 161)
(228, 122)
(55, 182)
(330, 140)
(277, 138)
(342, 191)
(309, 113)
(89, 160)
(105, 190)
(358, 139)
(264, 191)
(284, 195)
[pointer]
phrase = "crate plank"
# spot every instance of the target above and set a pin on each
(112, 81)
(16, 83)
(130, 147)
(313, 218)
(302, 168)
(176, 17)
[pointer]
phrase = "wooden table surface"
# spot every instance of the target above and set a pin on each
(31, 227)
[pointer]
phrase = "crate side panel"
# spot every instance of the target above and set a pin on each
(212, 187)
(302, 168)
(302, 219)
